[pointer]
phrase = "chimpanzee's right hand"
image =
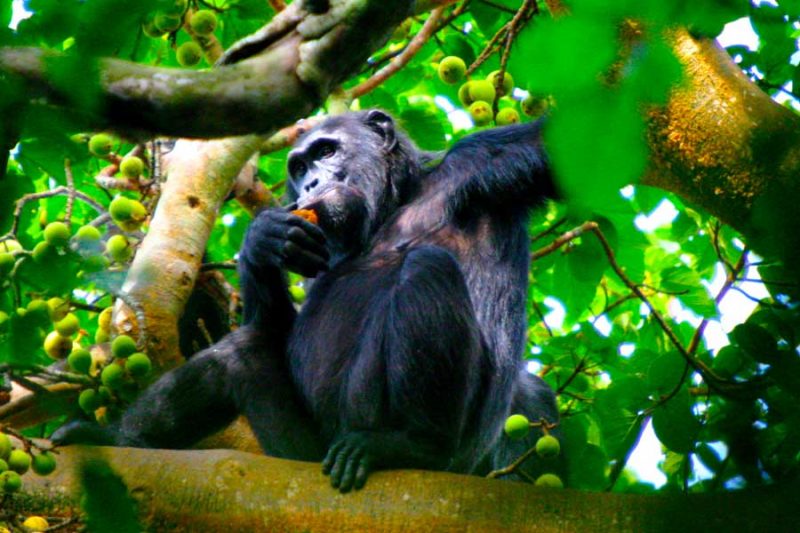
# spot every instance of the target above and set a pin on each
(277, 238)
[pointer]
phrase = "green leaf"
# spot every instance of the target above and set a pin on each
(587, 261)
(790, 7)
(565, 68)
(708, 456)
(591, 168)
(106, 501)
(456, 44)
(756, 341)
(655, 71)
(686, 284)
(665, 372)
(425, 125)
(679, 279)
(728, 361)
(767, 21)
(588, 468)
(675, 424)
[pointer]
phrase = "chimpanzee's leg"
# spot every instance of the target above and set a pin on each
(411, 393)
(239, 374)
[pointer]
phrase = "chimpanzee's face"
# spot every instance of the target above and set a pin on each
(340, 170)
(331, 171)
(339, 155)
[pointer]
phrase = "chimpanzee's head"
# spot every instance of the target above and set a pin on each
(354, 170)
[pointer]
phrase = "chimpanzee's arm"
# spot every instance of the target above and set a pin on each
(277, 240)
(497, 168)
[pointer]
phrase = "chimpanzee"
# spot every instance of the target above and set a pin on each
(407, 352)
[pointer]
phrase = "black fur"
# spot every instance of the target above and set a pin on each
(408, 350)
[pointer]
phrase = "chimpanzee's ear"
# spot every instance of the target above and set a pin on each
(383, 125)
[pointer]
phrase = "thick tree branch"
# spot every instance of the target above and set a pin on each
(280, 74)
(721, 141)
(233, 491)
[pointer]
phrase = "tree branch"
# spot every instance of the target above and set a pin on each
(271, 78)
(222, 490)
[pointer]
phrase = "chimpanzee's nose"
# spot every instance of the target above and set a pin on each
(311, 185)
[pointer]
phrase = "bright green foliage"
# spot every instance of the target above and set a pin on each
(612, 160)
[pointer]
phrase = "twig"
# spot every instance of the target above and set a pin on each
(510, 469)
(552, 229)
(724, 387)
(429, 28)
(498, 7)
(488, 50)
(715, 243)
(58, 191)
(201, 325)
(288, 135)
(577, 370)
(70, 194)
(522, 16)
(540, 314)
(224, 265)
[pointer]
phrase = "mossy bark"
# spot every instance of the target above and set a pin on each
(721, 142)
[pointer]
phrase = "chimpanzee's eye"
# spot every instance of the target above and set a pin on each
(297, 168)
(326, 150)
